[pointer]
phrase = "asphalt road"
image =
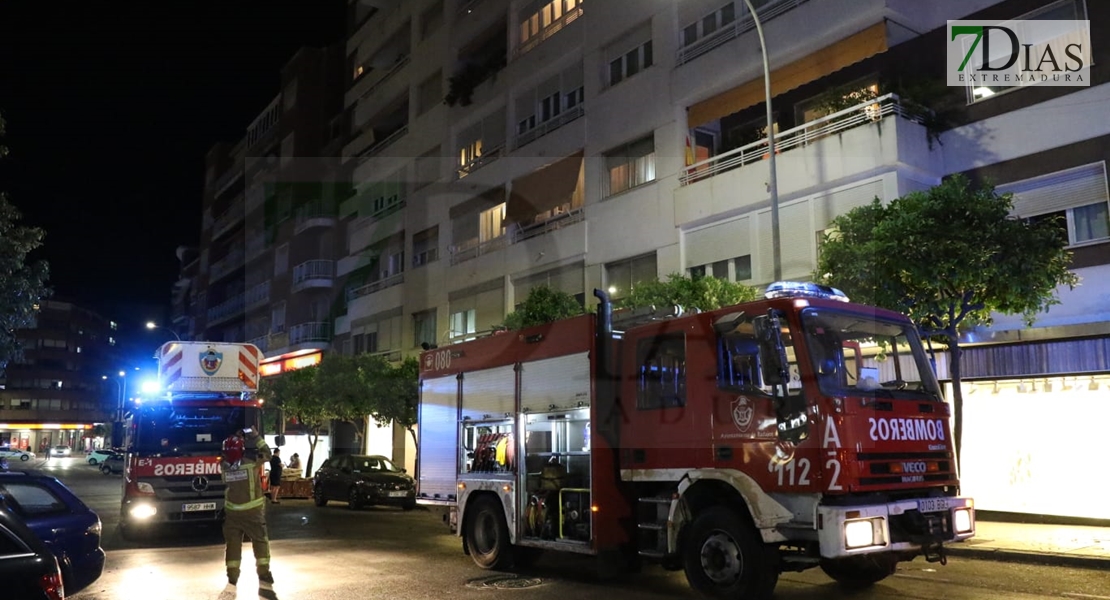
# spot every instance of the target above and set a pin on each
(334, 553)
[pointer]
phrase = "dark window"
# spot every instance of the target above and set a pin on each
(738, 363)
(662, 377)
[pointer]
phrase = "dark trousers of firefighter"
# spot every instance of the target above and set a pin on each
(251, 522)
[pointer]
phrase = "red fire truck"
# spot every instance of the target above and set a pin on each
(172, 468)
(792, 432)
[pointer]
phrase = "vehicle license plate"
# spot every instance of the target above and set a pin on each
(400, 494)
(932, 504)
(195, 506)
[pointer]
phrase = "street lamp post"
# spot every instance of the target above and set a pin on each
(152, 326)
(121, 387)
(772, 185)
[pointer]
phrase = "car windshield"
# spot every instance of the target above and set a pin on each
(366, 464)
(183, 430)
(858, 354)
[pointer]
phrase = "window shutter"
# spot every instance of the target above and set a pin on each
(1058, 191)
(718, 242)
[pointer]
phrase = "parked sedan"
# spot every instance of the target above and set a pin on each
(98, 456)
(363, 480)
(112, 465)
(27, 567)
(20, 455)
(65, 524)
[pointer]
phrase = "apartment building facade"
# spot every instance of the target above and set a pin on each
(496, 145)
(65, 385)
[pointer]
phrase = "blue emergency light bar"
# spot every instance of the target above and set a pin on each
(803, 289)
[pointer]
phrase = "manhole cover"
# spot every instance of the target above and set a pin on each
(505, 582)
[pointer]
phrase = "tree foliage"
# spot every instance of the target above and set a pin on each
(701, 293)
(22, 284)
(295, 393)
(543, 305)
(948, 258)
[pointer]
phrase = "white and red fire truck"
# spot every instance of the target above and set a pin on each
(792, 432)
(172, 468)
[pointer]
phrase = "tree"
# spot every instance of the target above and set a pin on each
(948, 258)
(543, 305)
(395, 396)
(296, 394)
(22, 285)
(701, 293)
(343, 390)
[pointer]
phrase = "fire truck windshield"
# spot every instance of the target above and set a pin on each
(185, 430)
(855, 354)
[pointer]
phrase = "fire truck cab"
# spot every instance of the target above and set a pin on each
(793, 432)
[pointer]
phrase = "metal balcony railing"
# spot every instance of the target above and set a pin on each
(548, 126)
(377, 147)
(229, 263)
(310, 332)
(862, 114)
(376, 286)
(769, 10)
(227, 309)
(257, 295)
(517, 233)
(313, 269)
(397, 66)
(488, 155)
(555, 27)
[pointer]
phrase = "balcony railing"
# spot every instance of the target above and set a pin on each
(313, 269)
(227, 309)
(228, 219)
(377, 147)
(548, 126)
(228, 264)
(735, 29)
(309, 332)
(389, 355)
(555, 27)
(257, 295)
(256, 246)
(517, 233)
(314, 215)
(803, 135)
(376, 286)
(261, 342)
(486, 158)
(397, 66)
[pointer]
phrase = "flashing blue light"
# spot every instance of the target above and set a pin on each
(803, 289)
(151, 386)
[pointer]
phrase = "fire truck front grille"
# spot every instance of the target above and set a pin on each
(883, 468)
(186, 486)
(918, 527)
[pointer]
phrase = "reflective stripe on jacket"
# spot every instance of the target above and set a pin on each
(244, 483)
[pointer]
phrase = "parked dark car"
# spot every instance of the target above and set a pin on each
(28, 568)
(65, 524)
(363, 480)
(113, 465)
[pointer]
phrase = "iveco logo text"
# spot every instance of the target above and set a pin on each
(198, 468)
(913, 467)
(906, 429)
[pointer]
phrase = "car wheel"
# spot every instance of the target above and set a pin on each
(92, 461)
(318, 496)
(354, 501)
(25, 457)
(106, 469)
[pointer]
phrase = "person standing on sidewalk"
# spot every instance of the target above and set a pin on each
(275, 476)
(244, 505)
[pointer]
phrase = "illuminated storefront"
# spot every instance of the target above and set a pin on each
(292, 362)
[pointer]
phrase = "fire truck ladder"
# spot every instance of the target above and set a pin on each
(653, 516)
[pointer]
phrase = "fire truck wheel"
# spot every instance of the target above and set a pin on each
(487, 535)
(860, 571)
(725, 558)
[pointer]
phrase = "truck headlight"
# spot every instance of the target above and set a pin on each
(143, 511)
(144, 487)
(962, 520)
(863, 533)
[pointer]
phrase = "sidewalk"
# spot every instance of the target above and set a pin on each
(1065, 545)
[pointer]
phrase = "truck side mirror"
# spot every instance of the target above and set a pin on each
(772, 363)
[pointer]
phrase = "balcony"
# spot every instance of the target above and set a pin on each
(488, 155)
(313, 215)
(262, 343)
(376, 147)
(517, 233)
(304, 333)
(313, 274)
(257, 296)
(547, 32)
(767, 10)
(871, 137)
(226, 310)
(256, 246)
(375, 286)
(548, 126)
(226, 265)
(228, 220)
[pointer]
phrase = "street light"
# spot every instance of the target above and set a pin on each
(152, 326)
(772, 186)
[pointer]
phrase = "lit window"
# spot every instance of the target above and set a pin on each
(629, 166)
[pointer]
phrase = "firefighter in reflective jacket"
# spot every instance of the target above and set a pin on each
(244, 504)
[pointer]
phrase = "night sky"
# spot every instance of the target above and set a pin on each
(110, 112)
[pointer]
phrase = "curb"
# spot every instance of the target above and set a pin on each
(1035, 558)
